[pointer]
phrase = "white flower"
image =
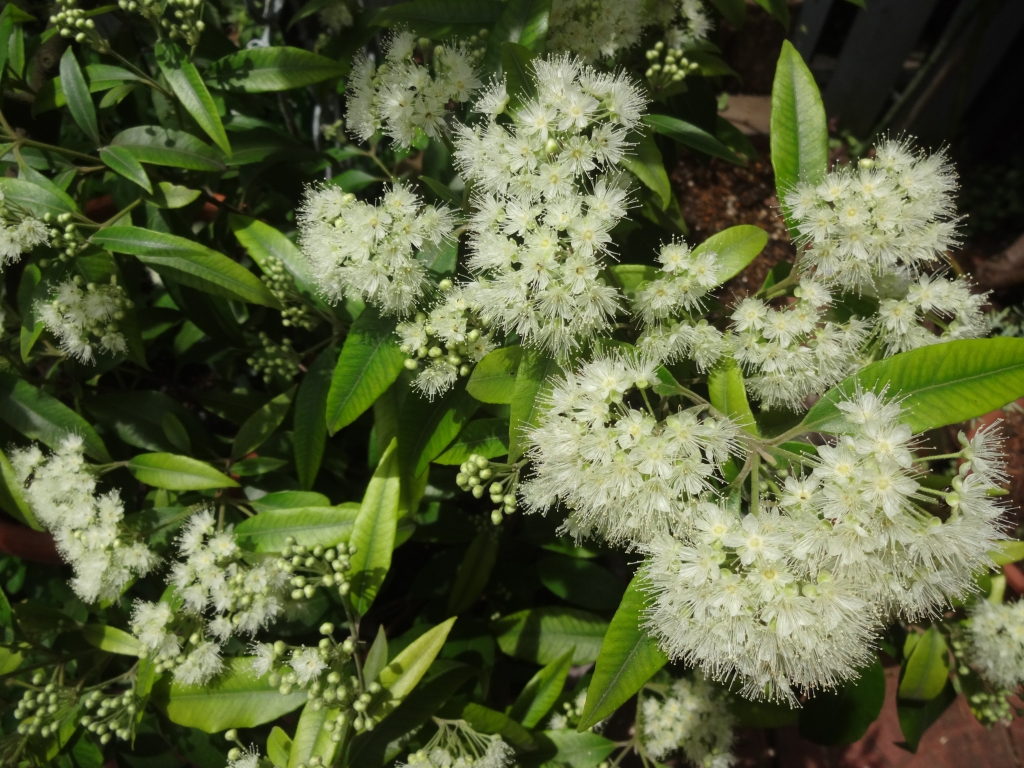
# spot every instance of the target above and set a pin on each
(901, 322)
(692, 716)
(81, 318)
(250, 758)
(307, 664)
(201, 665)
(996, 634)
(263, 659)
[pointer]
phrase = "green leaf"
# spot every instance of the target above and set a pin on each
(541, 693)
(443, 191)
(377, 656)
(12, 499)
(40, 417)
(541, 635)
(31, 289)
(484, 437)
(76, 92)
(485, 720)
(122, 161)
(474, 571)
(762, 714)
(427, 428)
(267, 246)
(36, 199)
(644, 161)
(533, 381)
(843, 716)
(524, 22)
(310, 433)
(168, 147)
(273, 68)
(234, 699)
(184, 79)
(374, 532)
(1009, 551)
(631, 277)
(734, 11)
(188, 263)
(917, 716)
(939, 385)
(171, 196)
(629, 657)
(691, 136)
(261, 425)
(310, 526)
(311, 739)
(577, 750)
(580, 582)
(728, 393)
(799, 130)
(112, 639)
(370, 362)
(778, 9)
(927, 668)
(279, 746)
(177, 473)
(736, 248)
(517, 67)
(494, 378)
(402, 674)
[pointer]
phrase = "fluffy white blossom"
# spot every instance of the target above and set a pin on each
(692, 716)
(547, 196)
(948, 305)
(626, 472)
(410, 91)
(201, 665)
(307, 664)
(367, 250)
(896, 209)
(996, 635)
(457, 745)
(19, 232)
(84, 316)
(246, 758)
(686, 279)
(87, 527)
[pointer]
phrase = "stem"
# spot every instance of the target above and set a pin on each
(353, 624)
(781, 287)
(755, 482)
(373, 156)
(120, 214)
(40, 145)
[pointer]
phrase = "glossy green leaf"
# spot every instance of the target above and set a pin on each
(311, 739)
(183, 77)
(165, 146)
(272, 68)
(494, 378)
(917, 716)
(187, 262)
(533, 380)
(370, 362)
(401, 675)
(76, 93)
(631, 277)
(31, 289)
(843, 716)
(267, 246)
(778, 9)
(310, 433)
(122, 161)
(799, 130)
(374, 532)
(171, 196)
(12, 497)
(426, 428)
(41, 417)
(177, 473)
(377, 656)
(728, 393)
(308, 525)
(628, 658)
(735, 248)
(486, 720)
(939, 385)
(36, 199)
(1009, 551)
(112, 639)
(577, 750)
(580, 582)
(541, 692)
(524, 22)
(261, 425)
(541, 635)
(474, 572)
(484, 437)
(644, 161)
(517, 67)
(927, 668)
(443, 191)
(279, 747)
(235, 699)
(691, 136)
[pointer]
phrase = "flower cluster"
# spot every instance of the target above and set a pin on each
(368, 251)
(626, 471)
(457, 745)
(947, 304)
(692, 715)
(794, 352)
(594, 29)
(84, 316)
(547, 197)
(61, 492)
(410, 93)
(478, 475)
(275, 362)
(282, 285)
(896, 209)
(444, 344)
(996, 635)
(688, 277)
(44, 708)
(19, 232)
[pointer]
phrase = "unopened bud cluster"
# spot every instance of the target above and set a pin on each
(281, 284)
(479, 475)
(64, 236)
(667, 66)
(43, 709)
(110, 716)
(315, 567)
(275, 362)
(72, 22)
(188, 20)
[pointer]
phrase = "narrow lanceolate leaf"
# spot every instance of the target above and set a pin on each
(474, 571)
(728, 393)
(494, 378)
(122, 161)
(267, 246)
(177, 473)
(541, 635)
(799, 131)
(579, 749)
(274, 68)
(112, 639)
(939, 385)
(270, 530)
(629, 657)
(310, 433)
(691, 136)
(517, 66)
(735, 248)
(533, 381)
(484, 437)
(311, 738)
(261, 425)
(38, 416)
(541, 693)
(12, 499)
(927, 670)
(188, 263)
(374, 532)
(645, 162)
(37, 200)
(76, 91)
(370, 362)
(524, 22)
(279, 746)
(426, 428)
(401, 675)
(184, 79)
(165, 146)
